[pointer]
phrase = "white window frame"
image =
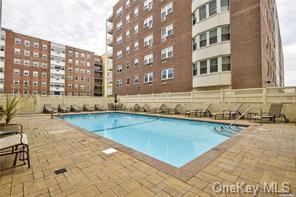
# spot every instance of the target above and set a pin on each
(167, 52)
(148, 77)
(166, 72)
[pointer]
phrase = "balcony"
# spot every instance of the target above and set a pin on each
(213, 79)
(57, 89)
(110, 28)
(57, 80)
(57, 71)
(110, 41)
(110, 53)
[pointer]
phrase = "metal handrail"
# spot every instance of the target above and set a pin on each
(252, 107)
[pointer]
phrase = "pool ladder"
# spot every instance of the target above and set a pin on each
(231, 130)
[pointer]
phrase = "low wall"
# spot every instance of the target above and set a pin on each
(221, 99)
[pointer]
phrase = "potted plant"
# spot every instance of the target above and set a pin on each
(10, 108)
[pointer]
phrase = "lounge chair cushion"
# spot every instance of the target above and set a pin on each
(12, 140)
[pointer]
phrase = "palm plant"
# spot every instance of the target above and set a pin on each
(10, 107)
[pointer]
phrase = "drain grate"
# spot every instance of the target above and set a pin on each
(60, 171)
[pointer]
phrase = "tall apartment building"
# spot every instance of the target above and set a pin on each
(152, 46)
(236, 44)
(98, 76)
(31, 65)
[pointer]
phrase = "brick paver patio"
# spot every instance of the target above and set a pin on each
(264, 155)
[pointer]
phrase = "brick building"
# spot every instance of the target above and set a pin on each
(232, 44)
(31, 65)
(151, 43)
(236, 44)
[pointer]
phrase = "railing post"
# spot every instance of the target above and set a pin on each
(221, 96)
(264, 96)
(192, 97)
(37, 103)
(152, 95)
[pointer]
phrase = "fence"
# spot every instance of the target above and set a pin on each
(257, 95)
(220, 99)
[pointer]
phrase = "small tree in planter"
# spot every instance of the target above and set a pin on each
(10, 108)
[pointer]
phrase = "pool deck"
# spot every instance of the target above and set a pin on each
(262, 154)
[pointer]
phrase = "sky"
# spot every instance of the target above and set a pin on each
(81, 24)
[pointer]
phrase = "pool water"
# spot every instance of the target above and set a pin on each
(174, 141)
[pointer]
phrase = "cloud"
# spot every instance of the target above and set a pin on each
(81, 23)
(287, 17)
(78, 23)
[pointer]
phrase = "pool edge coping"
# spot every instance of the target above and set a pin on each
(185, 172)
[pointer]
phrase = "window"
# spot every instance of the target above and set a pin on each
(35, 83)
(44, 47)
(15, 91)
(26, 63)
(44, 65)
(127, 19)
(225, 31)
(203, 40)
(36, 54)
(26, 73)
(26, 92)
(167, 52)
(148, 4)
(35, 64)
(27, 43)
(213, 36)
(136, 12)
(17, 61)
(118, 83)
(194, 44)
(168, 9)
(127, 81)
(203, 65)
(212, 8)
(16, 72)
(44, 56)
(127, 34)
(44, 74)
(224, 5)
(70, 61)
(77, 54)
(148, 41)
(226, 63)
(26, 83)
(119, 40)
(76, 62)
(17, 41)
(35, 73)
(128, 50)
(202, 12)
(27, 53)
(119, 55)
(136, 62)
(166, 31)
(136, 79)
(119, 12)
(36, 45)
(194, 69)
(148, 59)
(35, 91)
(148, 77)
(167, 74)
(127, 65)
(16, 82)
(136, 29)
(88, 64)
(17, 51)
(148, 22)
(136, 46)
(127, 4)
(70, 53)
(213, 65)
(43, 93)
(119, 68)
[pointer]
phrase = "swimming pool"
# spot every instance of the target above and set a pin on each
(173, 141)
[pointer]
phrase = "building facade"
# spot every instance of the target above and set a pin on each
(31, 65)
(151, 43)
(236, 44)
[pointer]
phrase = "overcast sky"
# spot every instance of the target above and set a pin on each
(81, 23)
